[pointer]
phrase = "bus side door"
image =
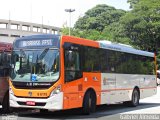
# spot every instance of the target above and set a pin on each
(73, 75)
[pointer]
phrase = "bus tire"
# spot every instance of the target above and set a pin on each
(5, 103)
(89, 103)
(135, 99)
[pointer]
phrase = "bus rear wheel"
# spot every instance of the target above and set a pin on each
(135, 99)
(89, 103)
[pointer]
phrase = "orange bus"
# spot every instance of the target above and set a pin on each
(5, 55)
(52, 72)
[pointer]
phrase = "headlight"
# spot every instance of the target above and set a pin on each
(11, 91)
(56, 91)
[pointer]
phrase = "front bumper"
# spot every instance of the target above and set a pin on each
(52, 103)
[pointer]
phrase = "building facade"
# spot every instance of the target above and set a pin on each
(10, 30)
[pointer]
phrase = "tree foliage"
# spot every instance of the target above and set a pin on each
(99, 17)
(132, 3)
(142, 24)
(100, 23)
(139, 27)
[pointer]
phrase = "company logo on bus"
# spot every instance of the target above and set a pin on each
(29, 84)
(29, 93)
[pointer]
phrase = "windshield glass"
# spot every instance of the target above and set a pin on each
(41, 65)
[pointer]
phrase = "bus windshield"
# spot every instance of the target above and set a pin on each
(40, 65)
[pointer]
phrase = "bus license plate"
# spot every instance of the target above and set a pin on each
(32, 103)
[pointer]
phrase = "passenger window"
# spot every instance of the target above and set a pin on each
(72, 65)
(91, 63)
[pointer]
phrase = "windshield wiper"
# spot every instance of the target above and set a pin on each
(43, 54)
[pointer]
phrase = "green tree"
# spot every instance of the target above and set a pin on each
(115, 33)
(88, 34)
(100, 23)
(142, 24)
(99, 17)
(132, 3)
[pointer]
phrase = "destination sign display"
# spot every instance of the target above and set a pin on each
(37, 43)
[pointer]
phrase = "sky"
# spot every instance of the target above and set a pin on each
(52, 12)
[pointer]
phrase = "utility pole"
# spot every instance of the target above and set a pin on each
(70, 11)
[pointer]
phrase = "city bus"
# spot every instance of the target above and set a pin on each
(5, 56)
(53, 72)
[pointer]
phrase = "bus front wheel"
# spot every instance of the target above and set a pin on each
(89, 103)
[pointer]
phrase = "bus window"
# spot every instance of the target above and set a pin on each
(90, 63)
(72, 65)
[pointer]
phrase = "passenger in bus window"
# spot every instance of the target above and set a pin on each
(72, 70)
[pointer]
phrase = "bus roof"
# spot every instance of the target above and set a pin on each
(5, 46)
(123, 48)
(102, 44)
(109, 45)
